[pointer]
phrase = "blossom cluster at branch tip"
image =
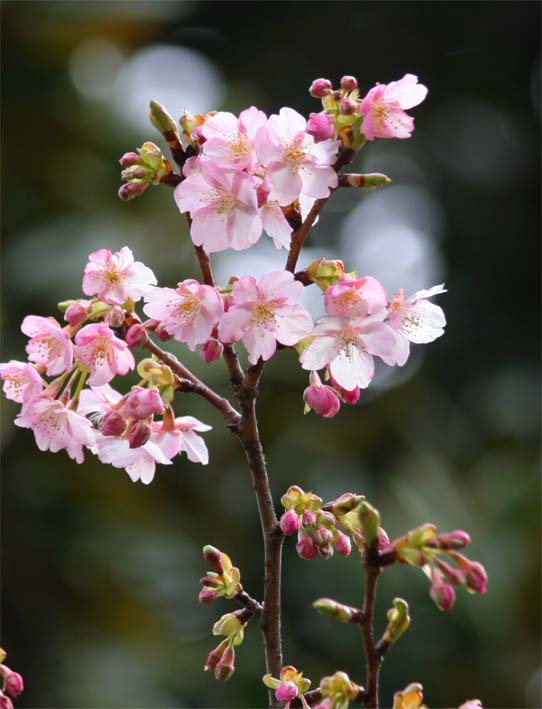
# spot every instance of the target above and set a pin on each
(224, 580)
(222, 658)
(425, 548)
(141, 169)
(412, 698)
(12, 683)
(338, 691)
(288, 686)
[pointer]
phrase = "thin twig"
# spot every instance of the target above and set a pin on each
(372, 658)
(299, 236)
(248, 602)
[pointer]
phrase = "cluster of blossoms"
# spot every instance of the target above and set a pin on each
(12, 683)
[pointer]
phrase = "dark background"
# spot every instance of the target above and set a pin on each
(100, 575)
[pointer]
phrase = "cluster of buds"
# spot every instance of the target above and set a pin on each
(338, 691)
(289, 686)
(141, 169)
(360, 520)
(223, 581)
(222, 658)
(317, 531)
(425, 548)
(412, 698)
(12, 684)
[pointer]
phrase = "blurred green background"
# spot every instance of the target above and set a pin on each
(100, 576)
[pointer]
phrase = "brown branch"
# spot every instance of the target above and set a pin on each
(248, 602)
(372, 658)
(299, 236)
(196, 386)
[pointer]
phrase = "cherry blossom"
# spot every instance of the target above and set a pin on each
(188, 313)
(415, 320)
(295, 163)
(384, 107)
(223, 206)
(263, 313)
(355, 297)
(230, 140)
(56, 426)
(115, 277)
(139, 463)
(103, 353)
(179, 435)
(347, 346)
(49, 344)
(21, 381)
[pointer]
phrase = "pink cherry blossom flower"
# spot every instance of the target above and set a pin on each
(263, 313)
(230, 140)
(347, 346)
(103, 353)
(49, 344)
(139, 463)
(189, 312)
(115, 277)
(142, 403)
(320, 398)
(355, 297)
(21, 381)
(384, 107)
(295, 163)
(55, 426)
(98, 401)
(274, 222)
(180, 436)
(223, 206)
(415, 320)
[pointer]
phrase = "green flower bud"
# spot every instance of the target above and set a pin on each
(338, 611)
(399, 620)
(370, 522)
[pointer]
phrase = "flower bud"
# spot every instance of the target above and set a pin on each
(476, 578)
(162, 333)
(207, 595)
(290, 522)
(113, 424)
(139, 434)
(442, 593)
(343, 544)
(5, 702)
(322, 536)
(338, 611)
(349, 83)
(161, 119)
(215, 655)
(349, 397)
(131, 190)
(370, 181)
(143, 403)
(320, 126)
(457, 539)
(13, 682)
(226, 665)
(325, 272)
(136, 335)
(305, 547)
(309, 518)
(286, 691)
(348, 106)
(211, 350)
(398, 621)
(129, 159)
(115, 317)
(452, 575)
(410, 698)
(326, 551)
(320, 398)
(212, 556)
(344, 504)
(76, 312)
(320, 88)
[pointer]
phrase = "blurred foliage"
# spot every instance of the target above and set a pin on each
(100, 575)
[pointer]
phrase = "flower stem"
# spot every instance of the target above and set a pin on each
(373, 658)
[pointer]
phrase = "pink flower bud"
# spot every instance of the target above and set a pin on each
(320, 88)
(207, 595)
(322, 536)
(321, 399)
(452, 575)
(383, 539)
(115, 317)
(348, 106)
(320, 126)
(289, 523)
(135, 172)
(76, 312)
(226, 666)
(210, 581)
(442, 593)
(305, 547)
(129, 159)
(326, 517)
(476, 577)
(349, 83)
(286, 691)
(114, 424)
(349, 397)
(326, 551)
(215, 655)
(5, 702)
(136, 335)
(343, 544)
(212, 556)
(458, 539)
(161, 333)
(13, 683)
(139, 434)
(142, 403)
(211, 351)
(309, 518)
(131, 190)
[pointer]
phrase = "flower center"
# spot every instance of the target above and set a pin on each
(188, 308)
(111, 276)
(223, 202)
(296, 157)
(264, 314)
